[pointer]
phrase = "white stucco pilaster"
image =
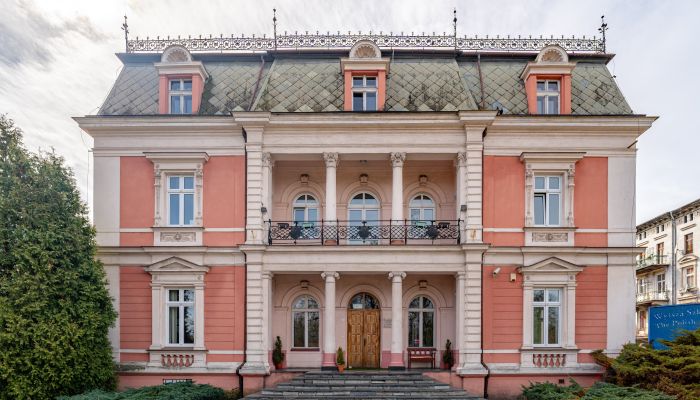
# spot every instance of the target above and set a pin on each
(474, 184)
(397, 160)
(396, 319)
(329, 319)
(331, 160)
(106, 184)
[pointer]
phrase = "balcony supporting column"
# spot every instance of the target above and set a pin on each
(267, 165)
(396, 362)
(331, 160)
(397, 160)
(328, 362)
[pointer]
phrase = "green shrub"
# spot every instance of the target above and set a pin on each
(55, 311)
(550, 391)
(674, 371)
(599, 391)
(171, 391)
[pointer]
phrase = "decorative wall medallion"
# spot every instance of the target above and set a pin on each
(177, 237)
(550, 237)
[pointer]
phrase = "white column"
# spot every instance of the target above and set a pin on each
(462, 191)
(331, 160)
(329, 321)
(396, 320)
(199, 317)
(461, 279)
(267, 164)
(157, 324)
(570, 315)
(397, 160)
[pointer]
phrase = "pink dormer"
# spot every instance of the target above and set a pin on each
(548, 82)
(181, 82)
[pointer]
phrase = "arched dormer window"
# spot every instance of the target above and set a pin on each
(548, 82)
(421, 322)
(305, 322)
(365, 72)
(305, 208)
(181, 81)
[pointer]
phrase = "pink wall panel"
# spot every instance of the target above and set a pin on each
(591, 307)
(223, 308)
(136, 193)
(591, 193)
(134, 309)
(224, 199)
(504, 198)
(502, 309)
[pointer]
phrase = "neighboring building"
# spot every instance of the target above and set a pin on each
(667, 270)
(368, 198)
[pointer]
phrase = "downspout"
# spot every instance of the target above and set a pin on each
(483, 257)
(674, 285)
(245, 268)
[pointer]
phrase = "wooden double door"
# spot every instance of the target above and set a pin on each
(363, 338)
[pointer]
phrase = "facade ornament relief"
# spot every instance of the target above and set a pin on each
(423, 180)
(331, 160)
(550, 236)
(304, 179)
(157, 185)
(397, 159)
(462, 159)
(178, 237)
(364, 178)
(267, 160)
(199, 182)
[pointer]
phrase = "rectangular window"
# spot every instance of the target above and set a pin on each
(180, 96)
(548, 97)
(689, 277)
(364, 93)
(180, 305)
(547, 200)
(661, 283)
(546, 317)
(180, 200)
(688, 241)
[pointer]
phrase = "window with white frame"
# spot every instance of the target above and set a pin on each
(661, 283)
(689, 278)
(181, 200)
(547, 200)
(180, 96)
(305, 209)
(421, 209)
(548, 97)
(180, 306)
(364, 93)
(421, 322)
(546, 304)
(305, 322)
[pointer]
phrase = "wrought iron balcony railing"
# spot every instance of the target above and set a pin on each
(652, 260)
(383, 232)
(649, 296)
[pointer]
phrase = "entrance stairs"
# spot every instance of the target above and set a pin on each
(366, 385)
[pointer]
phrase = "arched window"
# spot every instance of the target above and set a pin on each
(421, 322)
(363, 301)
(305, 208)
(363, 218)
(422, 209)
(305, 317)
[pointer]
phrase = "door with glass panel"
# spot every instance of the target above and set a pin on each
(363, 219)
(422, 211)
(305, 214)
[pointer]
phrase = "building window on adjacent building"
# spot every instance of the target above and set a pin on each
(687, 218)
(364, 93)
(642, 285)
(548, 97)
(642, 322)
(421, 322)
(180, 305)
(422, 210)
(689, 278)
(546, 305)
(305, 209)
(180, 96)
(181, 200)
(688, 243)
(661, 283)
(547, 200)
(305, 322)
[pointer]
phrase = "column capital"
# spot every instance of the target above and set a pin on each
(267, 161)
(397, 159)
(330, 276)
(397, 275)
(462, 159)
(266, 275)
(331, 160)
(461, 275)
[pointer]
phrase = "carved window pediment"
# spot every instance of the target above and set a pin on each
(552, 265)
(176, 265)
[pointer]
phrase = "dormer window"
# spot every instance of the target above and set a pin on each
(548, 97)
(180, 96)
(364, 93)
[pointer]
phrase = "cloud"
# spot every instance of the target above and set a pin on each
(28, 34)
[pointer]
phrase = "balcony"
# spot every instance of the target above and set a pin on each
(652, 260)
(652, 296)
(383, 232)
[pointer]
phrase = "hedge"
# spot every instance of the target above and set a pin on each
(171, 391)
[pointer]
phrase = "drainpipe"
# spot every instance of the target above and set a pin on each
(483, 257)
(245, 271)
(674, 284)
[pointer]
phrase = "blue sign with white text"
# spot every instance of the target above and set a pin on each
(666, 322)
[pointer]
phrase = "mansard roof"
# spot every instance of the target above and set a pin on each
(417, 81)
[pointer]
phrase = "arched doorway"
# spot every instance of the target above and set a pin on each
(363, 331)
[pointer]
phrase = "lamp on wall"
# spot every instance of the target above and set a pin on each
(263, 210)
(463, 208)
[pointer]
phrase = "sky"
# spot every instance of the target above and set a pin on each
(57, 61)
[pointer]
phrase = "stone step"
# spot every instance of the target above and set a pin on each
(366, 385)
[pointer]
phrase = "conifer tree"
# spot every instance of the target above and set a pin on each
(55, 310)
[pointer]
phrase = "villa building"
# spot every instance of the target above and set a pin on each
(667, 268)
(383, 197)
